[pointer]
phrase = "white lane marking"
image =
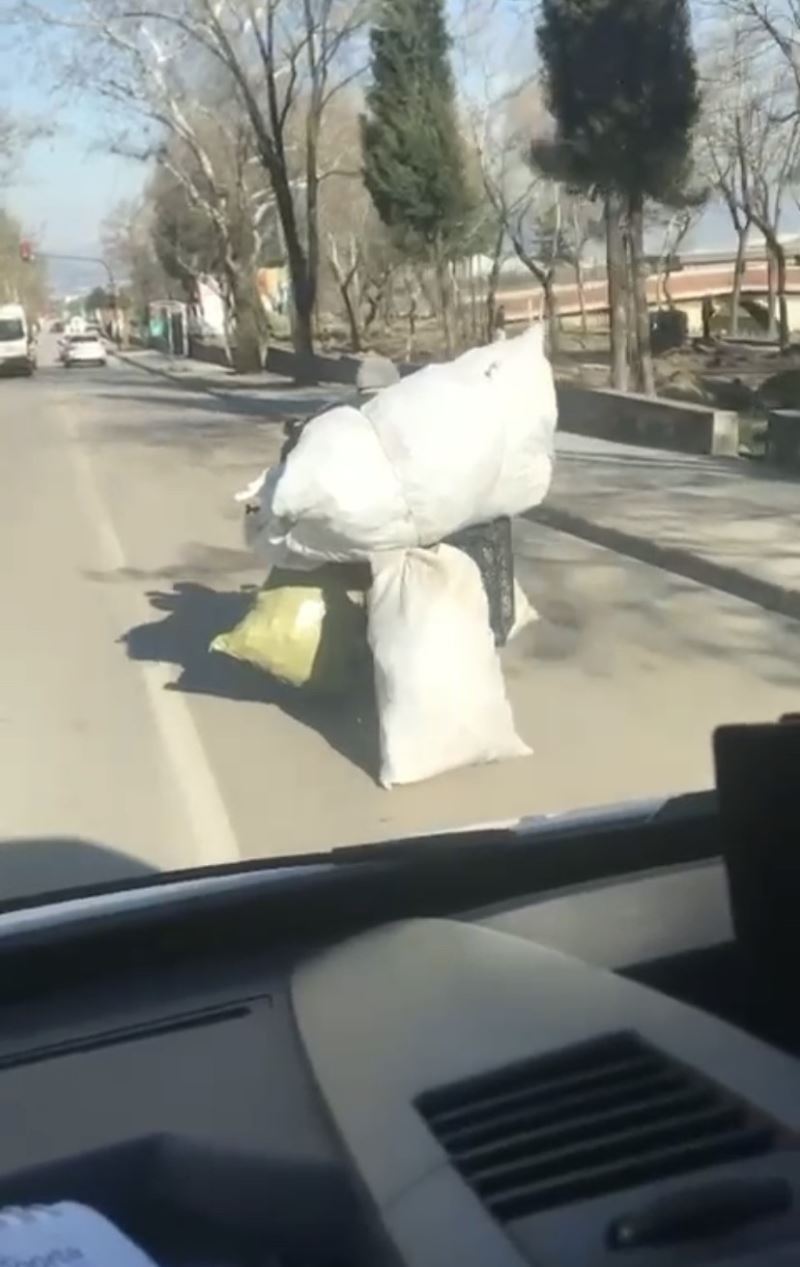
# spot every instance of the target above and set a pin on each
(214, 836)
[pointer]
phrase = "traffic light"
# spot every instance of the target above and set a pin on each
(25, 251)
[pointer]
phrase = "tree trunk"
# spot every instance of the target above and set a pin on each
(344, 280)
(352, 319)
(411, 339)
(551, 316)
(645, 377)
(302, 279)
(412, 291)
(738, 270)
(228, 319)
(772, 326)
(374, 296)
(778, 254)
(784, 334)
(475, 333)
(579, 283)
(617, 292)
(250, 338)
(632, 348)
(492, 282)
(312, 208)
(459, 314)
(443, 290)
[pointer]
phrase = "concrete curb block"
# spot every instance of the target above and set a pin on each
(694, 567)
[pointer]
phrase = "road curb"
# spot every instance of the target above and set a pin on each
(694, 567)
(182, 380)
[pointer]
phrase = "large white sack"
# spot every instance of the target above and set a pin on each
(472, 439)
(335, 498)
(271, 547)
(338, 496)
(448, 446)
(439, 686)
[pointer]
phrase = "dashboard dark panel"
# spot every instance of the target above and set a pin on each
(237, 1074)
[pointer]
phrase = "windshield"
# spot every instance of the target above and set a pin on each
(274, 584)
(11, 328)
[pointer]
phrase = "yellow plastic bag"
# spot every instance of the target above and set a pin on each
(305, 628)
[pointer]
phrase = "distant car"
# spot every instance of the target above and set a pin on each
(17, 341)
(83, 349)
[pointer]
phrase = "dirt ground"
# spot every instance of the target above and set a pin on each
(749, 376)
(729, 374)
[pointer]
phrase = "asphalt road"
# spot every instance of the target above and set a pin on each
(121, 557)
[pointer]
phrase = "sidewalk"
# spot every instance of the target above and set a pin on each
(729, 523)
(220, 380)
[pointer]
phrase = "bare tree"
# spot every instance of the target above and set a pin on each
(230, 213)
(749, 143)
(127, 237)
(532, 219)
(359, 257)
(582, 223)
(283, 61)
(528, 205)
(677, 226)
(168, 103)
(493, 281)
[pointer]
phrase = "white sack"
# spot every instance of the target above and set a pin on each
(449, 446)
(274, 553)
(440, 692)
(525, 613)
(472, 439)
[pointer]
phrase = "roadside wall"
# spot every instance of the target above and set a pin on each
(653, 423)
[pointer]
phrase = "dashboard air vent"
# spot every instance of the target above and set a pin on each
(588, 1120)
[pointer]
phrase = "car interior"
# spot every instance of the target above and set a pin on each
(570, 1043)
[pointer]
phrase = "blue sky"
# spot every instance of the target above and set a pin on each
(67, 186)
(68, 182)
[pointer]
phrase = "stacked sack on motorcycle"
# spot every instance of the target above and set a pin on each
(385, 484)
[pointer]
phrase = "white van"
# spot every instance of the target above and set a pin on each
(17, 346)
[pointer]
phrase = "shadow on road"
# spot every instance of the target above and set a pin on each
(193, 614)
(178, 420)
(49, 865)
(197, 559)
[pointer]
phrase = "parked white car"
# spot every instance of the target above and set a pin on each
(83, 349)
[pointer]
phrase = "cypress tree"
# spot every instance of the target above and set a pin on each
(621, 83)
(414, 164)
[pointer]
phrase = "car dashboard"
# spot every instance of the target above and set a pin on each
(360, 1063)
